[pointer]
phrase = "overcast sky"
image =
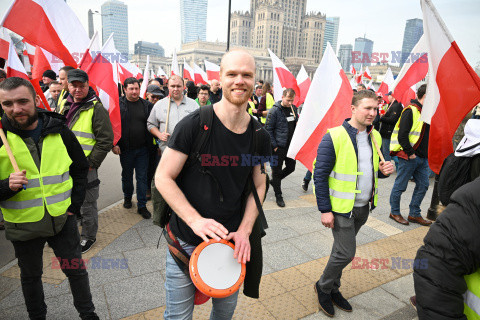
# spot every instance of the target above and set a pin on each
(382, 21)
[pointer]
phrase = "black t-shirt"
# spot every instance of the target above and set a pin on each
(291, 117)
(138, 124)
(226, 157)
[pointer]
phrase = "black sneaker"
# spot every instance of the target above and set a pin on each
(87, 244)
(280, 201)
(341, 302)
(305, 185)
(324, 301)
(127, 203)
(144, 213)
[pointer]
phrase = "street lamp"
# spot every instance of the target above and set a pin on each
(91, 30)
(229, 16)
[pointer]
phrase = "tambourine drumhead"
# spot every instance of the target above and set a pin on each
(213, 269)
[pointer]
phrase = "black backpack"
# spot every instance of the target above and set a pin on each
(455, 173)
(162, 211)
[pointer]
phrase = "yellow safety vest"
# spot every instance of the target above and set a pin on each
(48, 188)
(269, 103)
(251, 106)
(472, 296)
(342, 182)
(62, 99)
(415, 131)
(83, 129)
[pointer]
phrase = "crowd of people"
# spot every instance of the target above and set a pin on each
(59, 154)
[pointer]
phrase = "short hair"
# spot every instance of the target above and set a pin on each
(12, 83)
(421, 91)
(261, 82)
(203, 87)
(130, 80)
(288, 92)
(66, 68)
(362, 85)
(3, 74)
(258, 86)
(365, 94)
(174, 76)
(54, 82)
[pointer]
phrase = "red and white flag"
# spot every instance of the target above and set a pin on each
(160, 72)
(352, 70)
(358, 77)
(29, 54)
(303, 82)
(91, 52)
(146, 78)
(413, 71)
(50, 24)
(453, 87)
(188, 72)
(40, 64)
(370, 85)
(283, 79)
(327, 105)
(213, 70)
(387, 84)
(103, 73)
(200, 75)
(174, 67)
(367, 74)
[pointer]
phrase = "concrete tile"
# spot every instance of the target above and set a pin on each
(401, 288)
(129, 240)
(302, 224)
(314, 244)
(278, 231)
(150, 235)
(18, 312)
(134, 295)
(267, 269)
(145, 223)
(8, 285)
(372, 233)
(15, 298)
(282, 255)
(103, 269)
(146, 260)
(382, 305)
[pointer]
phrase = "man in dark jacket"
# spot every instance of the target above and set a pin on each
(388, 121)
(451, 252)
(281, 122)
(135, 145)
(90, 122)
(40, 202)
(409, 142)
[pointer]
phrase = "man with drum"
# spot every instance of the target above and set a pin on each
(346, 182)
(209, 206)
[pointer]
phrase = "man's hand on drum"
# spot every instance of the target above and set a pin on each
(209, 228)
(242, 246)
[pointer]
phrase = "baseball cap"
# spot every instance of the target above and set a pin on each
(77, 75)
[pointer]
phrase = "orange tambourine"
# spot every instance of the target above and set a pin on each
(214, 271)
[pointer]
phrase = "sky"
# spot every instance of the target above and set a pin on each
(381, 21)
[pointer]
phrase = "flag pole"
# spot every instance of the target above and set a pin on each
(9, 152)
(377, 148)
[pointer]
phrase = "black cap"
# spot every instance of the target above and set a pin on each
(154, 90)
(390, 93)
(77, 75)
(50, 74)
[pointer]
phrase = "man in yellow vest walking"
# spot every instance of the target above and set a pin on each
(90, 122)
(346, 187)
(40, 202)
(409, 142)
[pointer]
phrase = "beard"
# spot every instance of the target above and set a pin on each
(238, 101)
(30, 120)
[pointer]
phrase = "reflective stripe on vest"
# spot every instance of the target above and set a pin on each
(472, 296)
(48, 188)
(269, 104)
(415, 131)
(62, 99)
(251, 106)
(83, 130)
(342, 181)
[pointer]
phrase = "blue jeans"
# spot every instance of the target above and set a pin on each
(135, 159)
(181, 293)
(386, 149)
(419, 170)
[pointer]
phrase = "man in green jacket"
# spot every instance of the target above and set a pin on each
(90, 122)
(40, 201)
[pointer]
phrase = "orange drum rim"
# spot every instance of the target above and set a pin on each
(201, 285)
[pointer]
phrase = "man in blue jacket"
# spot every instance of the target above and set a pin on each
(281, 122)
(346, 184)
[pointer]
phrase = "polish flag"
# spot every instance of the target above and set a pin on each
(352, 70)
(413, 71)
(160, 72)
(213, 70)
(358, 77)
(367, 74)
(40, 64)
(127, 70)
(174, 68)
(50, 24)
(387, 84)
(152, 74)
(146, 78)
(91, 52)
(353, 83)
(453, 88)
(370, 85)
(188, 72)
(200, 75)
(103, 73)
(283, 79)
(28, 51)
(327, 105)
(303, 82)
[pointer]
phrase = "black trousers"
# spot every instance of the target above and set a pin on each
(278, 173)
(66, 246)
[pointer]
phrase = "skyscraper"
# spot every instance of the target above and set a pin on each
(331, 32)
(115, 19)
(363, 52)
(345, 56)
(193, 16)
(413, 33)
